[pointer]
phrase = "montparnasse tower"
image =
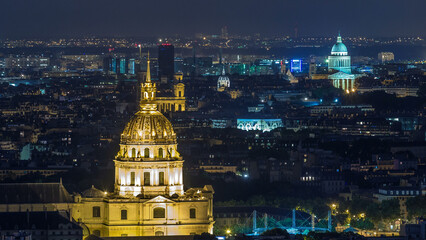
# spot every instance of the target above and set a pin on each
(148, 163)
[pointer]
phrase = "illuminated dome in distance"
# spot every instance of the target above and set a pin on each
(339, 49)
(223, 82)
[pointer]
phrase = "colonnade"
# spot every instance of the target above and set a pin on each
(345, 84)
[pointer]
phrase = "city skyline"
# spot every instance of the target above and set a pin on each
(212, 120)
(46, 18)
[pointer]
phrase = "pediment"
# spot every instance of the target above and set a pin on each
(341, 75)
(160, 199)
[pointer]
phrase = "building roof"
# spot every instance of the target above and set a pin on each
(341, 75)
(33, 220)
(148, 127)
(17, 193)
(93, 193)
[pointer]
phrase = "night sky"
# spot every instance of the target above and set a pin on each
(57, 18)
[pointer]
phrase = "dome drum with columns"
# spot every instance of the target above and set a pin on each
(339, 59)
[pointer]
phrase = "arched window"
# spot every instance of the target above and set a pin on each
(132, 178)
(146, 179)
(161, 178)
(159, 212)
(159, 233)
(160, 153)
(133, 152)
(146, 153)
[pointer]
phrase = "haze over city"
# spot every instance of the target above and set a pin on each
(77, 18)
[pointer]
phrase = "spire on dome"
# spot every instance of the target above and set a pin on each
(148, 70)
(223, 71)
(339, 38)
(148, 91)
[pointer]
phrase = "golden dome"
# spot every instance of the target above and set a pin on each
(148, 127)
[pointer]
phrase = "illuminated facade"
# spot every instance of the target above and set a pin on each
(340, 63)
(264, 125)
(296, 65)
(149, 197)
(223, 82)
(384, 57)
(176, 102)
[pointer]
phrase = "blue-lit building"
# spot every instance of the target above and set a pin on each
(264, 125)
(122, 65)
(132, 66)
(296, 65)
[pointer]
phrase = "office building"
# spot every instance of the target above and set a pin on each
(166, 64)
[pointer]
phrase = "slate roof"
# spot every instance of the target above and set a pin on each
(13, 193)
(33, 220)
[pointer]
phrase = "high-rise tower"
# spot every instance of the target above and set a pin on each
(166, 58)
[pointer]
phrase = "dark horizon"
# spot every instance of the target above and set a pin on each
(135, 18)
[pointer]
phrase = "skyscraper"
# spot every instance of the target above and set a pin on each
(166, 55)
